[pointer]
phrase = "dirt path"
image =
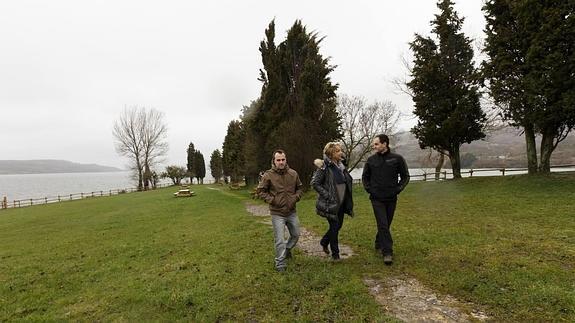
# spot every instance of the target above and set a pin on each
(402, 297)
(308, 241)
(408, 300)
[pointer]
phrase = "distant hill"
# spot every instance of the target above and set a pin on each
(44, 166)
(501, 148)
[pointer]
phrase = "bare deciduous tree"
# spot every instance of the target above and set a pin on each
(128, 141)
(140, 136)
(361, 123)
(154, 133)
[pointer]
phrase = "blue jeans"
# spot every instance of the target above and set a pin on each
(279, 222)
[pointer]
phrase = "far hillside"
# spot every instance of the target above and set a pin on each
(45, 166)
(502, 148)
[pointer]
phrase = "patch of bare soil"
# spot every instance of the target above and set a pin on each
(408, 300)
(308, 241)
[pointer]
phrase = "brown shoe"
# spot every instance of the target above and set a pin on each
(388, 259)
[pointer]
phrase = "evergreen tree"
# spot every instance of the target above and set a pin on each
(297, 107)
(233, 153)
(445, 88)
(199, 167)
(530, 71)
(256, 159)
(216, 165)
(191, 162)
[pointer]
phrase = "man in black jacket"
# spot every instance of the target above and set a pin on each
(380, 180)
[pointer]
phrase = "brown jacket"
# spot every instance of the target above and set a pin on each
(281, 189)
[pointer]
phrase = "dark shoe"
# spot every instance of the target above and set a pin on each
(281, 269)
(388, 259)
(288, 253)
(335, 257)
(325, 248)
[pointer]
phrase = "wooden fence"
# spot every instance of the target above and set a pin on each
(5, 204)
(445, 175)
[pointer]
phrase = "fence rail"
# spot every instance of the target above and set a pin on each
(445, 175)
(5, 204)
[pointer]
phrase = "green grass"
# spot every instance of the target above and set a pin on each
(505, 244)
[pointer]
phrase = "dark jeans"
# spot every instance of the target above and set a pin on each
(331, 236)
(383, 216)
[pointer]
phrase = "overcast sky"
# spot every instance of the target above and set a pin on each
(68, 68)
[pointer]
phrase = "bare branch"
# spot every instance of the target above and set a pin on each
(361, 123)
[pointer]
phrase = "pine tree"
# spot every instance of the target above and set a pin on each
(445, 88)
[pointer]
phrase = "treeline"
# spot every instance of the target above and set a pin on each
(527, 78)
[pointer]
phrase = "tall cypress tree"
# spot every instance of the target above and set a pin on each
(445, 88)
(191, 164)
(298, 102)
(200, 167)
(216, 165)
(256, 158)
(233, 153)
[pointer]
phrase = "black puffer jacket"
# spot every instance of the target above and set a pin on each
(323, 183)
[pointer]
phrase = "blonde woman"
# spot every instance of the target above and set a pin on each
(333, 184)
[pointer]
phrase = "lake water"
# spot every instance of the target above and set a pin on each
(26, 186)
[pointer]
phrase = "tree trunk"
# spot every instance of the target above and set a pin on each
(140, 176)
(455, 163)
(147, 177)
(531, 149)
(546, 151)
(439, 165)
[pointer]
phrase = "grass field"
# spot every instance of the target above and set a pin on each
(505, 244)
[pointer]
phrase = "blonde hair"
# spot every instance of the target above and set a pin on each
(330, 148)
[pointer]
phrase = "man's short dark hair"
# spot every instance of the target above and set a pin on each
(383, 138)
(278, 151)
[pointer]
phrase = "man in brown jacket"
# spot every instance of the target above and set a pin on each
(281, 188)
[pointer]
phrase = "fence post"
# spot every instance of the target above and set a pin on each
(31, 202)
(445, 175)
(424, 176)
(471, 172)
(101, 193)
(503, 172)
(70, 197)
(46, 200)
(82, 195)
(58, 198)
(4, 203)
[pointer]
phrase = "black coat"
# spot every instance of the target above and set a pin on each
(381, 173)
(323, 182)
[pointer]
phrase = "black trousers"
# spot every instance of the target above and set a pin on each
(331, 236)
(384, 211)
